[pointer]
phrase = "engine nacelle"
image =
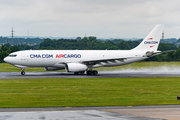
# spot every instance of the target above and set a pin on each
(52, 68)
(75, 67)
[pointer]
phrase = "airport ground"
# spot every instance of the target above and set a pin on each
(161, 112)
(122, 88)
(4, 67)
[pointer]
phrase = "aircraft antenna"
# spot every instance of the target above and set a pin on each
(12, 35)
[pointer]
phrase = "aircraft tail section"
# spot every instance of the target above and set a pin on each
(152, 40)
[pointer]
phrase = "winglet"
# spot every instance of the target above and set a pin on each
(152, 40)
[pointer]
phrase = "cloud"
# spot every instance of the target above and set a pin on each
(101, 18)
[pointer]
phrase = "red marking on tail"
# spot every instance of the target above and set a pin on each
(150, 38)
(152, 46)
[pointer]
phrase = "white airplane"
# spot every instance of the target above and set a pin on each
(79, 61)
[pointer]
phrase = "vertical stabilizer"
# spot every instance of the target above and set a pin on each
(152, 40)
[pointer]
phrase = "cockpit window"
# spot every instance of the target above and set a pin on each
(12, 55)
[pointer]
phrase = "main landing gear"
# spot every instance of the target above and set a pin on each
(92, 72)
(22, 71)
(89, 72)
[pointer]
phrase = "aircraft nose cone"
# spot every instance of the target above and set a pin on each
(6, 59)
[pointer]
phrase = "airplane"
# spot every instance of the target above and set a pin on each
(81, 61)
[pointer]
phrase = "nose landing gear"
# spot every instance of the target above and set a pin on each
(22, 71)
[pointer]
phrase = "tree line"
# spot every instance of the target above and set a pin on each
(87, 43)
(17, 41)
(91, 43)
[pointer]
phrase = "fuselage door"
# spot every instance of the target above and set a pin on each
(23, 56)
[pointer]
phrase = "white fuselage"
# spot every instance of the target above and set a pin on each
(58, 58)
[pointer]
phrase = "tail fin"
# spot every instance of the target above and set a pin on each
(152, 40)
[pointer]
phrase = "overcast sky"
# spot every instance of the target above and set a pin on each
(100, 18)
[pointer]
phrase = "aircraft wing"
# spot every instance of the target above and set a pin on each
(105, 60)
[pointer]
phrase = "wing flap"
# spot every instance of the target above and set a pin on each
(99, 61)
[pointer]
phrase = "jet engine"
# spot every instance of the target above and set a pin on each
(52, 68)
(75, 67)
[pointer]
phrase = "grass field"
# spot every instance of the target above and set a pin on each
(88, 92)
(72, 92)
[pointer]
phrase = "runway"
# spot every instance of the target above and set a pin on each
(161, 112)
(101, 74)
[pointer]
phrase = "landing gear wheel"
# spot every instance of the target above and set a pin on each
(92, 72)
(95, 72)
(89, 72)
(22, 73)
